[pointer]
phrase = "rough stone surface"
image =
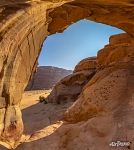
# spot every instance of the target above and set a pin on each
(120, 50)
(46, 77)
(86, 64)
(110, 86)
(70, 87)
(24, 24)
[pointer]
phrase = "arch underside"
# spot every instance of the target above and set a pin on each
(24, 25)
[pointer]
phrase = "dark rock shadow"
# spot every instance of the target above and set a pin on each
(3, 148)
(49, 142)
(40, 115)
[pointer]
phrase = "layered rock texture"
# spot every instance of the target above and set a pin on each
(111, 85)
(70, 87)
(87, 64)
(46, 77)
(106, 104)
(104, 110)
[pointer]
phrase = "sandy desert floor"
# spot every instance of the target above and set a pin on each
(40, 120)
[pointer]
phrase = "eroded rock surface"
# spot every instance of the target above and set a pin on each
(109, 96)
(70, 87)
(104, 111)
(24, 24)
(86, 65)
(111, 85)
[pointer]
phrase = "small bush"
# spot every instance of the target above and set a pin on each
(42, 99)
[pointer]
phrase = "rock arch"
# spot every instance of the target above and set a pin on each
(24, 26)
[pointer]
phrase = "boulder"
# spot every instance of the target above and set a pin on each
(70, 87)
(86, 64)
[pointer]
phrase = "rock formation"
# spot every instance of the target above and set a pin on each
(24, 24)
(86, 64)
(70, 87)
(106, 104)
(109, 87)
(46, 77)
(103, 113)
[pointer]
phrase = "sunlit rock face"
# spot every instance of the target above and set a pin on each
(70, 87)
(106, 103)
(111, 85)
(23, 27)
(104, 110)
(87, 64)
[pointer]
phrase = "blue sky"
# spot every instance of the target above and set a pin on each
(80, 40)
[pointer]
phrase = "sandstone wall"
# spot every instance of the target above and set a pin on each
(23, 29)
(110, 85)
(25, 24)
(104, 111)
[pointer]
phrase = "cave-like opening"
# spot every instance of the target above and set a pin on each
(80, 40)
(24, 26)
(60, 53)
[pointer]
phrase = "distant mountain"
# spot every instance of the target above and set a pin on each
(46, 77)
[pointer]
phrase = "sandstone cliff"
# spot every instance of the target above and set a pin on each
(46, 77)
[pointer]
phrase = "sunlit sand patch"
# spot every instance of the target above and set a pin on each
(45, 118)
(45, 132)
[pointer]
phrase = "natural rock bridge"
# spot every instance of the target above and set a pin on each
(24, 24)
